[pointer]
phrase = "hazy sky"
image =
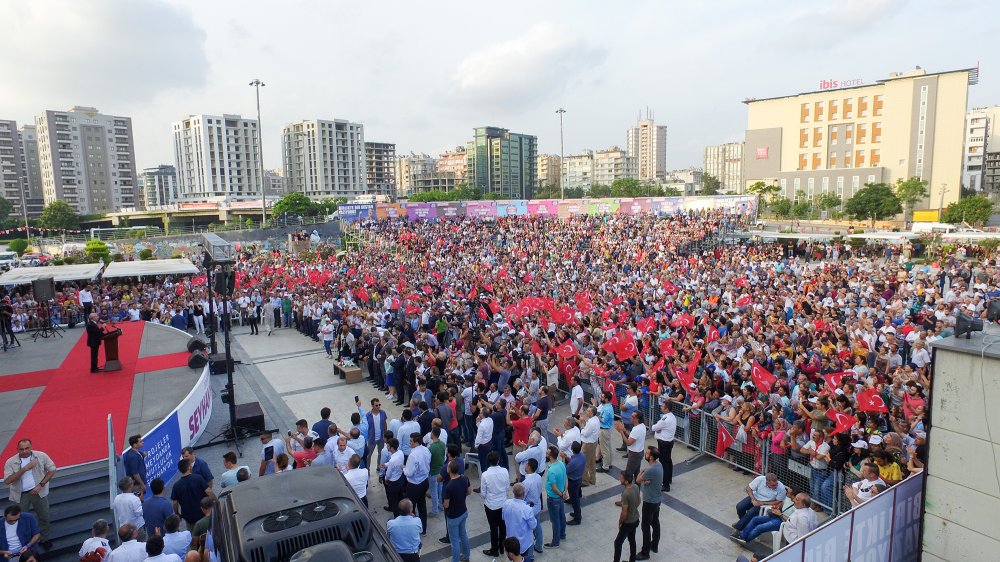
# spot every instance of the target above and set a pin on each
(422, 74)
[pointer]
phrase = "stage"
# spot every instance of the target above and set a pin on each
(48, 394)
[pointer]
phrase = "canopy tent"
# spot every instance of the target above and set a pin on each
(179, 266)
(814, 236)
(891, 237)
(970, 236)
(74, 272)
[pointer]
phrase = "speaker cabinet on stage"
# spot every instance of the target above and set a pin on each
(250, 416)
(217, 363)
(198, 360)
(43, 290)
(196, 344)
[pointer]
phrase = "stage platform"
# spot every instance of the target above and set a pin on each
(48, 394)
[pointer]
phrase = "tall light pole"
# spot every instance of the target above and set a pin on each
(257, 84)
(944, 189)
(562, 187)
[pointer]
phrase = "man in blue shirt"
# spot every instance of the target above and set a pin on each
(25, 534)
(555, 492)
(404, 533)
(408, 426)
(375, 430)
(417, 470)
(606, 413)
(574, 477)
(321, 427)
(156, 509)
(135, 463)
(520, 520)
(198, 466)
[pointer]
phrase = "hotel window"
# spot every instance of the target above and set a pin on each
(833, 109)
(876, 157)
(797, 184)
(860, 137)
(855, 183)
(810, 188)
(833, 136)
(859, 159)
(818, 110)
(871, 178)
(877, 106)
(815, 161)
(826, 184)
(848, 109)
(863, 106)
(847, 159)
(877, 132)
(804, 113)
(833, 160)
(818, 136)
(802, 161)
(849, 134)
(803, 138)
(784, 184)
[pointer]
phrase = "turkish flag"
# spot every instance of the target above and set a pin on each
(660, 365)
(612, 344)
(762, 378)
(745, 300)
(843, 421)
(567, 350)
(609, 385)
(626, 346)
(617, 301)
(667, 346)
(646, 325)
(363, 295)
(692, 366)
(583, 303)
(871, 401)
(481, 312)
(535, 348)
(351, 272)
(428, 290)
(495, 306)
(669, 287)
(527, 278)
(683, 321)
(503, 273)
(369, 280)
(742, 282)
(437, 275)
(473, 293)
(411, 310)
(623, 318)
(547, 304)
(713, 334)
(395, 303)
(833, 379)
(723, 441)
(564, 315)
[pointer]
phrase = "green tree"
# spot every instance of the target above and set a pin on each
(59, 215)
(429, 196)
(710, 185)
(96, 249)
(973, 210)
(327, 205)
(767, 193)
(598, 190)
(464, 192)
(671, 192)
(875, 201)
(782, 207)
(574, 193)
(18, 245)
(5, 209)
(628, 187)
(910, 192)
(295, 204)
(828, 200)
(549, 191)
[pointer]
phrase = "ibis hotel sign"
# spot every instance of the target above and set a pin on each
(831, 84)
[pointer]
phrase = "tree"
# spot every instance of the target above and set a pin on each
(910, 192)
(973, 210)
(549, 191)
(18, 245)
(59, 215)
(464, 192)
(327, 206)
(671, 192)
(782, 207)
(430, 196)
(295, 204)
(628, 187)
(96, 249)
(875, 201)
(828, 200)
(802, 208)
(710, 185)
(767, 193)
(574, 193)
(598, 190)
(5, 209)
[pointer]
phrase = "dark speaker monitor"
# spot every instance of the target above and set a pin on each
(250, 416)
(966, 324)
(43, 290)
(993, 311)
(196, 344)
(198, 360)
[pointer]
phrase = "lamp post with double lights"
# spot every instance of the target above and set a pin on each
(257, 84)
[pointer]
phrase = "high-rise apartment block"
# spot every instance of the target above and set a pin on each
(614, 164)
(911, 124)
(217, 158)
(87, 159)
(578, 171)
(725, 163)
(647, 142)
(548, 170)
(411, 167)
(981, 160)
(158, 186)
(380, 163)
(10, 164)
(31, 172)
(453, 162)
(325, 158)
(502, 163)
(275, 183)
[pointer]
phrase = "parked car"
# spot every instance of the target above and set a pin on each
(8, 260)
(34, 259)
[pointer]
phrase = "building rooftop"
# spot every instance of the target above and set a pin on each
(917, 72)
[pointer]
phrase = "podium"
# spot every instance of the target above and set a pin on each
(111, 362)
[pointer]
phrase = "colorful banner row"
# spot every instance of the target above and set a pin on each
(732, 204)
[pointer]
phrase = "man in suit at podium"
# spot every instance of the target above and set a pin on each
(95, 335)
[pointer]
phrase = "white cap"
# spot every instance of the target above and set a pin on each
(728, 397)
(860, 443)
(481, 351)
(813, 400)
(409, 345)
(875, 439)
(839, 391)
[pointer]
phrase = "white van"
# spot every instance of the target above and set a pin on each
(8, 260)
(933, 227)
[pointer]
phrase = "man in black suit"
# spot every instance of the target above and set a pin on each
(95, 335)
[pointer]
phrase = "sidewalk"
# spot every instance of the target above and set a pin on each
(291, 378)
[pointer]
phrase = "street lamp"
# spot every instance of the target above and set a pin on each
(257, 84)
(562, 187)
(944, 189)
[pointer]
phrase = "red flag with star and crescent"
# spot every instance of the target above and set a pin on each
(612, 344)
(844, 422)
(833, 379)
(683, 321)
(713, 334)
(394, 305)
(583, 303)
(762, 378)
(745, 300)
(626, 346)
(723, 441)
(669, 287)
(535, 348)
(871, 401)
(567, 350)
(742, 282)
(667, 347)
(692, 367)
(646, 325)
(481, 312)
(495, 306)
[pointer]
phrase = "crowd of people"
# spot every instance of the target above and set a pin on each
(819, 350)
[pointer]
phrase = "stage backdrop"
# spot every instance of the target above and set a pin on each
(731, 204)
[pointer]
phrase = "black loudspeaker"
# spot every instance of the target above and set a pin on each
(250, 416)
(43, 290)
(993, 312)
(225, 282)
(966, 324)
(198, 360)
(196, 344)
(217, 363)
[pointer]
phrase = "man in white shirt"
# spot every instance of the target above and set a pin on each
(536, 448)
(494, 483)
(357, 478)
(576, 398)
(635, 443)
(271, 448)
(127, 506)
(394, 481)
(817, 449)
(484, 436)
(664, 430)
(568, 435)
(154, 551)
(342, 454)
(98, 543)
(589, 436)
(863, 490)
(802, 521)
(130, 550)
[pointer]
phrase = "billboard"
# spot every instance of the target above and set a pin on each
(352, 212)
(389, 211)
(517, 208)
(421, 211)
(480, 209)
(544, 208)
(450, 209)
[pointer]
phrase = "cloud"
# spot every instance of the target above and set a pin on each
(543, 62)
(821, 26)
(107, 53)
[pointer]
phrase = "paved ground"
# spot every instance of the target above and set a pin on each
(291, 377)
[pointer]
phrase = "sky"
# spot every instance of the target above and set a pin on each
(424, 74)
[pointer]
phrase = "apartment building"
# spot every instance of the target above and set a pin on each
(217, 158)
(325, 158)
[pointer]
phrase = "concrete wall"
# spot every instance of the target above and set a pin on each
(963, 481)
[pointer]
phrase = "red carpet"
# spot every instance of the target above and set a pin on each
(69, 419)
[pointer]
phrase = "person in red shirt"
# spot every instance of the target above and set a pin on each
(521, 422)
(304, 457)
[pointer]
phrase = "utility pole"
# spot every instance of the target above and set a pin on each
(257, 84)
(944, 189)
(562, 186)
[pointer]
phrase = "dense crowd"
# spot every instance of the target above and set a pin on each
(818, 350)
